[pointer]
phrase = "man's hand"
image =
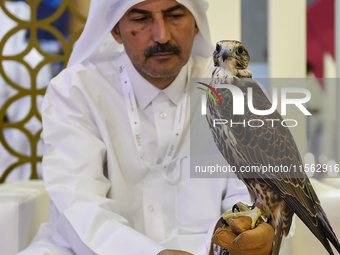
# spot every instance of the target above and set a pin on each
(237, 238)
(173, 252)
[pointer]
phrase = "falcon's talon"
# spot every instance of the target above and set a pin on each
(235, 207)
(244, 210)
(242, 207)
(269, 219)
(223, 221)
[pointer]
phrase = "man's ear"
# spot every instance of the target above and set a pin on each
(116, 34)
(196, 31)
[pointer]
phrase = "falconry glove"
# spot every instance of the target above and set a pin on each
(236, 238)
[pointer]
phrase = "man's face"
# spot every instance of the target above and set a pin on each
(158, 36)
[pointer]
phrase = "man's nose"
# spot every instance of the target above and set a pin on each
(160, 31)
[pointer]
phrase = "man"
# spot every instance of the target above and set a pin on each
(117, 127)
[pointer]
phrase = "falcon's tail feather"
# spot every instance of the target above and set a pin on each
(329, 233)
(277, 238)
(320, 230)
(320, 227)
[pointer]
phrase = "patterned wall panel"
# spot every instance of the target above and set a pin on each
(33, 49)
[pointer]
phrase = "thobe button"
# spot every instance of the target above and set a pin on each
(150, 208)
(162, 115)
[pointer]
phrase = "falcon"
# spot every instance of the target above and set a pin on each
(279, 194)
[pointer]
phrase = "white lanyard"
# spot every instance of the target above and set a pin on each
(135, 123)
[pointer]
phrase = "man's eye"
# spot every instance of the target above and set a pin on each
(141, 19)
(175, 16)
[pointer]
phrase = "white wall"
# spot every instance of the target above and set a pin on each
(225, 20)
(287, 52)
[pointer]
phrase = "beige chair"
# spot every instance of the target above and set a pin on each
(24, 205)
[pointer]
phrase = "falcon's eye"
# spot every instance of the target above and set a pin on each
(240, 50)
(218, 47)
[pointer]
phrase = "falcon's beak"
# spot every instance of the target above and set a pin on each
(225, 55)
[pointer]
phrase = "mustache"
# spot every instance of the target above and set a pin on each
(160, 48)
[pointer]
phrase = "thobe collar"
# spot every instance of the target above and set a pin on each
(145, 92)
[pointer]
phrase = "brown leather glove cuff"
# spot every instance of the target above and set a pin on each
(238, 239)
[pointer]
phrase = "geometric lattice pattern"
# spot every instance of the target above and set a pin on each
(25, 70)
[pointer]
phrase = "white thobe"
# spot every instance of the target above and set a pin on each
(109, 200)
